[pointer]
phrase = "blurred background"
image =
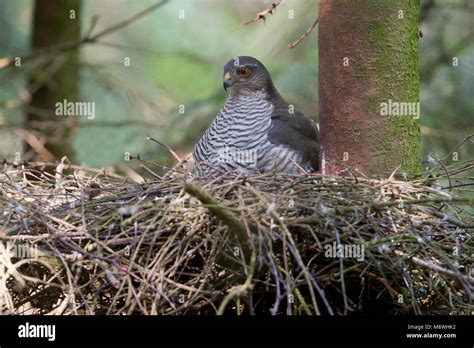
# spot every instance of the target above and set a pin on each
(160, 74)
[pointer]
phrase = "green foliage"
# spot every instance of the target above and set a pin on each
(186, 79)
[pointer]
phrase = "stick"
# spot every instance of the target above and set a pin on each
(260, 15)
(308, 31)
(169, 149)
(432, 266)
(217, 209)
(239, 290)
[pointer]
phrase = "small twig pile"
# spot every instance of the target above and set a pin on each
(76, 242)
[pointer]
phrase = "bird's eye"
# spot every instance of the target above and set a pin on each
(244, 72)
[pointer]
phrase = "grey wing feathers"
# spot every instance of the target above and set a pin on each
(298, 132)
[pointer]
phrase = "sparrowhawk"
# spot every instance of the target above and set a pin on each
(256, 130)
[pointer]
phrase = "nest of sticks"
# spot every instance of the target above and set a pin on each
(84, 242)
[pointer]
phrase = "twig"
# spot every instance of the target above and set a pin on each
(149, 171)
(445, 217)
(303, 171)
(127, 21)
(343, 283)
(445, 171)
(378, 205)
(155, 165)
(242, 289)
(394, 172)
(94, 21)
(70, 166)
(170, 150)
(308, 31)
(466, 139)
(36, 144)
(220, 211)
(260, 15)
(430, 265)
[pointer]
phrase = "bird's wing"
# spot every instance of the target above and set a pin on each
(296, 131)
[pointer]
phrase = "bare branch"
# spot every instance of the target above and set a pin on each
(70, 45)
(169, 149)
(261, 15)
(469, 138)
(308, 31)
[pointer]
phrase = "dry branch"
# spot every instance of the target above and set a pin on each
(260, 15)
(302, 37)
(221, 212)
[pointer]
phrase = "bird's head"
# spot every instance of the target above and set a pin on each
(243, 75)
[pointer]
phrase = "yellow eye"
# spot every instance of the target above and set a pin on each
(244, 72)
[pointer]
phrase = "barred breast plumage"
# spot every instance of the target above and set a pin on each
(256, 130)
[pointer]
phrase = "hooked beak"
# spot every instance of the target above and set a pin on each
(227, 81)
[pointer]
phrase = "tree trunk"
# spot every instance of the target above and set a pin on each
(54, 22)
(369, 86)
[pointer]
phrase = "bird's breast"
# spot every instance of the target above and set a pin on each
(235, 138)
(242, 122)
(238, 141)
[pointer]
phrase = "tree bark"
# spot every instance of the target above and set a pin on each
(368, 58)
(57, 78)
